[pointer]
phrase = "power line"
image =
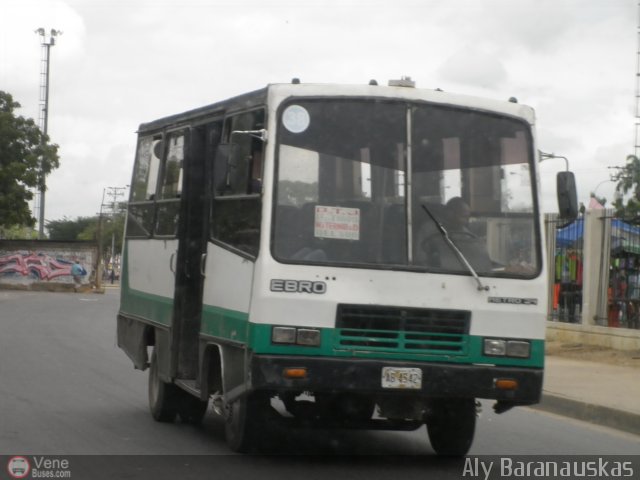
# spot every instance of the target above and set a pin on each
(114, 193)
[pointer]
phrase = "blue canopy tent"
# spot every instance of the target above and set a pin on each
(624, 235)
(570, 234)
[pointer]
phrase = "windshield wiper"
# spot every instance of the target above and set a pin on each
(457, 251)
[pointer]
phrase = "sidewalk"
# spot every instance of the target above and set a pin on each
(596, 392)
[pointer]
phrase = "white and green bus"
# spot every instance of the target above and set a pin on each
(293, 253)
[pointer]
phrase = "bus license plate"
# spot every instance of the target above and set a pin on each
(408, 378)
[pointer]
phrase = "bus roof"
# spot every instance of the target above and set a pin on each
(237, 103)
(274, 93)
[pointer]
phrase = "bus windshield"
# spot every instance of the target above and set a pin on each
(379, 183)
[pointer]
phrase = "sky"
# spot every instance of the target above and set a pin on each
(119, 63)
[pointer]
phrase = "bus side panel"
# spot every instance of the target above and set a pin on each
(148, 280)
(133, 338)
(227, 294)
(225, 311)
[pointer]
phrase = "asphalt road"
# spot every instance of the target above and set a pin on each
(66, 389)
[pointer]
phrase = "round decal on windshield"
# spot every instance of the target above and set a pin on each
(296, 119)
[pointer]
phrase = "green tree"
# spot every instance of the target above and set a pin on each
(86, 228)
(26, 157)
(18, 232)
(67, 229)
(628, 178)
(112, 231)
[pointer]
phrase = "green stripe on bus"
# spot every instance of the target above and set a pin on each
(146, 305)
(260, 342)
(224, 323)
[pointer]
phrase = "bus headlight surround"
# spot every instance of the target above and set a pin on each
(283, 335)
(308, 337)
(518, 348)
(495, 347)
(500, 347)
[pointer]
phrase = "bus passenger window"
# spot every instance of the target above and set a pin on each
(235, 216)
(145, 174)
(143, 188)
(237, 223)
(168, 216)
(255, 180)
(239, 170)
(171, 188)
(172, 181)
(139, 220)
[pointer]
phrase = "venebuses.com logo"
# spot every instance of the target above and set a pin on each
(38, 467)
(18, 467)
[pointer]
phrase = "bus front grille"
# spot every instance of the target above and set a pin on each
(399, 329)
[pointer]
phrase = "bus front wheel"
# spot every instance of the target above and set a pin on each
(244, 422)
(451, 425)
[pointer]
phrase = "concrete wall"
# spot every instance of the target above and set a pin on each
(616, 338)
(44, 264)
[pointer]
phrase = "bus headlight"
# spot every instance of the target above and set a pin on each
(499, 347)
(308, 337)
(495, 347)
(283, 335)
(518, 348)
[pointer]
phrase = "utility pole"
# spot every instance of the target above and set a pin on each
(47, 41)
(114, 193)
(636, 144)
(99, 259)
(110, 208)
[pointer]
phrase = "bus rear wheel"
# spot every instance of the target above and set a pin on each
(244, 422)
(164, 397)
(451, 425)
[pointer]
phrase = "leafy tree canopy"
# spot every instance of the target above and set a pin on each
(67, 229)
(628, 178)
(18, 232)
(87, 228)
(26, 157)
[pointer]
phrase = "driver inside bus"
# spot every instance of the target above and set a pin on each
(433, 249)
(457, 218)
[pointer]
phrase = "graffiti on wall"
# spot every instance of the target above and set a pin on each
(28, 266)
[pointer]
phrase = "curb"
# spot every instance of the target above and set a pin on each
(597, 414)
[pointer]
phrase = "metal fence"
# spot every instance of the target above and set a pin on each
(623, 287)
(613, 252)
(566, 268)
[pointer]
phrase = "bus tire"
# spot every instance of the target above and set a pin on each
(163, 397)
(244, 422)
(191, 409)
(451, 425)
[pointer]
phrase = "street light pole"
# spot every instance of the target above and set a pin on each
(595, 190)
(47, 42)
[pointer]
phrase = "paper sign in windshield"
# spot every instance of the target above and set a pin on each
(337, 222)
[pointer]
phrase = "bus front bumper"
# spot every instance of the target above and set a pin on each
(512, 385)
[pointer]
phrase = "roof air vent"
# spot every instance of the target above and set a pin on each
(403, 82)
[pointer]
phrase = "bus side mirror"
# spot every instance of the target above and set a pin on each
(567, 196)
